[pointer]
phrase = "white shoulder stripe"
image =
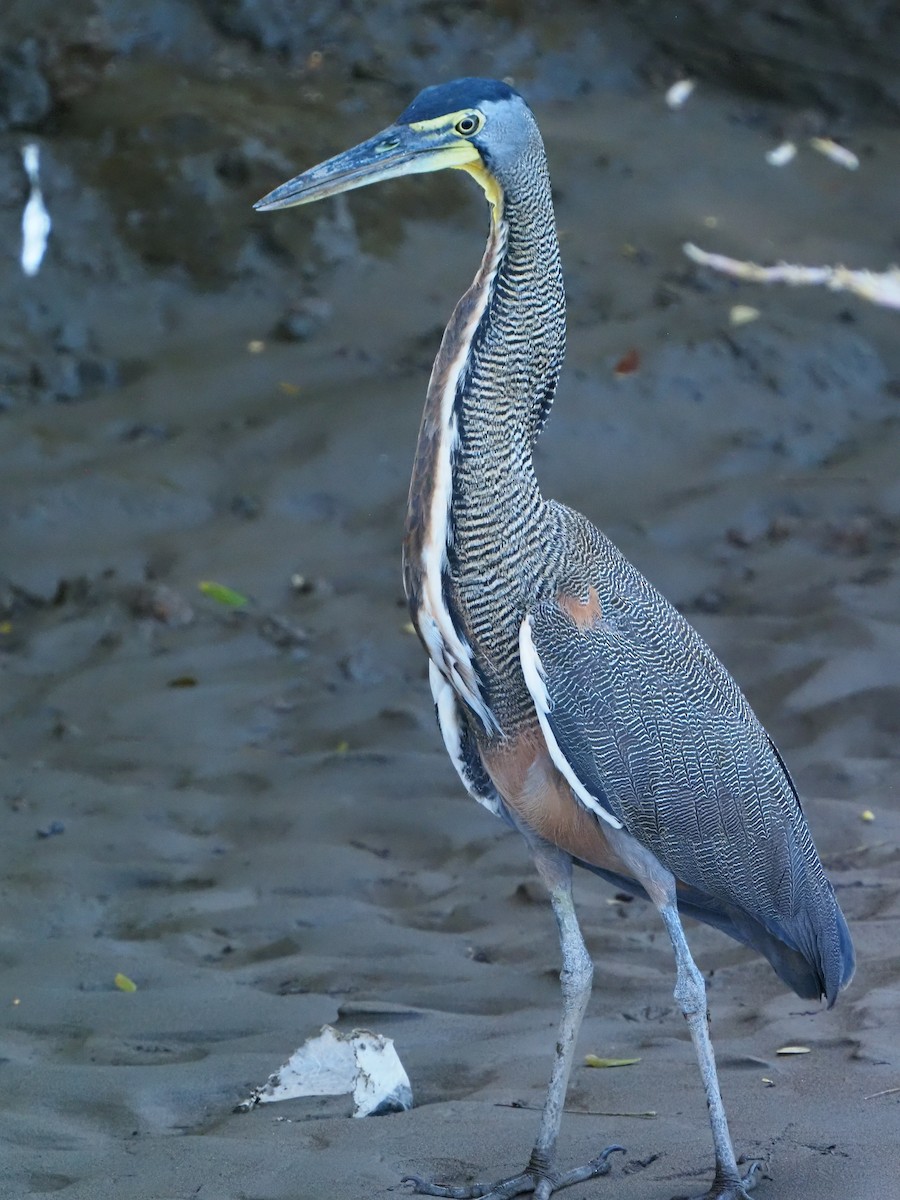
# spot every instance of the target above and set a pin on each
(447, 706)
(535, 681)
(446, 646)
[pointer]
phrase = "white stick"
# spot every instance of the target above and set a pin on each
(36, 223)
(880, 287)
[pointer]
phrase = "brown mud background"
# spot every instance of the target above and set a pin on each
(249, 812)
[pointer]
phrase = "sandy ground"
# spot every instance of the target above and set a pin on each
(249, 813)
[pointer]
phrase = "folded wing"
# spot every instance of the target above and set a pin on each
(653, 733)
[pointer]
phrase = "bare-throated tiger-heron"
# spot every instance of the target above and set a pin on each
(575, 702)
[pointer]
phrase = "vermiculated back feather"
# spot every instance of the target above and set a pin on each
(658, 730)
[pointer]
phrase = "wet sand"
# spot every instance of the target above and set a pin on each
(249, 813)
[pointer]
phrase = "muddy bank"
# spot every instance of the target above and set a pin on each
(247, 810)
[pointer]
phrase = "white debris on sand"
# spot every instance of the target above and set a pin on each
(36, 223)
(786, 152)
(334, 1064)
(781, 155)
(880, 287)
(743, 314)
(838, 154)
(679, 92)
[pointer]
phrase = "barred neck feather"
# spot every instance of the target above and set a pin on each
(474, 518)
(514, 360)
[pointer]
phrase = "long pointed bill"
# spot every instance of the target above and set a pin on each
(398, 150)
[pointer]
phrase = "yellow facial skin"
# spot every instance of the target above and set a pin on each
(472, 164)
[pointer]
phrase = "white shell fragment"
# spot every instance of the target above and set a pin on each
(838, 154)
(334, 1064)
(742, 314)
(679, 92)
(36, 223)
(781, 155)
(880, 287)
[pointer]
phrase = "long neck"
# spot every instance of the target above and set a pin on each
(495, 375)
(518, 350)
(515, 358)
(474, 497)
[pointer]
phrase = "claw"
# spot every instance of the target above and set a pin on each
(593, 1170)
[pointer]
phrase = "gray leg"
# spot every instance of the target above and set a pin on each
(690, 994)
(576, 978)
(540, 1176)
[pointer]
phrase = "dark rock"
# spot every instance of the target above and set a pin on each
(302, 320)
(25, 96)
(52, 830)
(159, 602)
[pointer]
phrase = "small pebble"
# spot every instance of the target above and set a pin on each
(51, 830)
(679, 92)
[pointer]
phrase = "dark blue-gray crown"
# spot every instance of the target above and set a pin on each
(451, 97)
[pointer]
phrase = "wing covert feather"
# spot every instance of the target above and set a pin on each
(653, 726)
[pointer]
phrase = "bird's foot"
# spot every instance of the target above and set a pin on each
(730, 1189)
(541, 1182)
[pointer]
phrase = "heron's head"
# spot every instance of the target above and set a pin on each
(481, 126)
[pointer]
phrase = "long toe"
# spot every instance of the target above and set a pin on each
(726, 1191)
(427, 1187)
(541, 1183)
(504, 1189)
(596, 1167)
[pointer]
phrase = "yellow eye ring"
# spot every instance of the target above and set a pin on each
(468, 124)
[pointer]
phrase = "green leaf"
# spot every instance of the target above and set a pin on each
(591, 1060)
(124, 984)
(222, 594)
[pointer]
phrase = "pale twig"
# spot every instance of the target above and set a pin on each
(581, 1112)
(880, 287)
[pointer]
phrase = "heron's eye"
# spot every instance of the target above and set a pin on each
(468, 124)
